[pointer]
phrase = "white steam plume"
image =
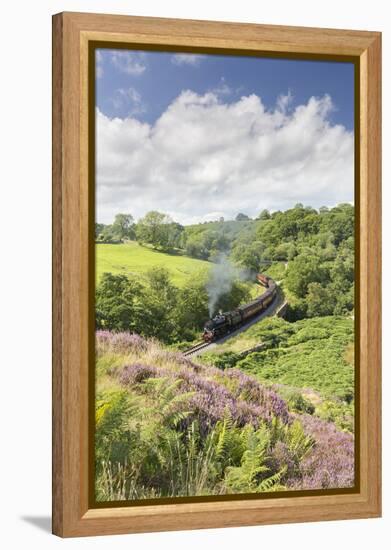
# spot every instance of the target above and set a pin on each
(221, 278)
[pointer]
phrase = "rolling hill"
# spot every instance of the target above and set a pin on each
(132, 259)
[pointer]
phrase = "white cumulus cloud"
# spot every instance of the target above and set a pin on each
(130, 63)
(186, 59)
(130, 99)
(222, 88)
(203, 159)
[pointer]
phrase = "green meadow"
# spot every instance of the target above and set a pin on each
(132, 259)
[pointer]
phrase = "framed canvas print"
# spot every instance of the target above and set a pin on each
(216, 274)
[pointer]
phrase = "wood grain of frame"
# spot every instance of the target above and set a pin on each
(72, 34)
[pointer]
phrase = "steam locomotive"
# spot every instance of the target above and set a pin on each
(223, 323)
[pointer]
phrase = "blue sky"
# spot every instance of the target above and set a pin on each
(240, 132)
(162, 80)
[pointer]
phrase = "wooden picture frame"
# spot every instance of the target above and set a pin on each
(73, 298)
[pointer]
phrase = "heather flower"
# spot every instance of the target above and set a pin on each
(203, 395)
(210, 400)
(250, 390)
(120, 342)
(136, 373)
(331, 462)
(103, 337)
(283, 457)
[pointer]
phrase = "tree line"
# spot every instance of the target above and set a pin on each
(162, 232)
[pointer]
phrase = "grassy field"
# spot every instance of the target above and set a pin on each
(132, 259)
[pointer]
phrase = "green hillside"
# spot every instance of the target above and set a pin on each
(133, 259)
(313, 358)
(312, 353)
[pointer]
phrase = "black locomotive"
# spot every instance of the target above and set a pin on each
(224, 323)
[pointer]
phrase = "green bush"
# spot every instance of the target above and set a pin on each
(222, 361)
(298, 403)
(340, 413)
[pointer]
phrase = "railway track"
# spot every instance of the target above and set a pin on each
(196, 348)
(252, 315)
(274, 308)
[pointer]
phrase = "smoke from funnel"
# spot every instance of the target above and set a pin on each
(221, 278)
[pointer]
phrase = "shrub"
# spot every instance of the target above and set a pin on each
(298, 403)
